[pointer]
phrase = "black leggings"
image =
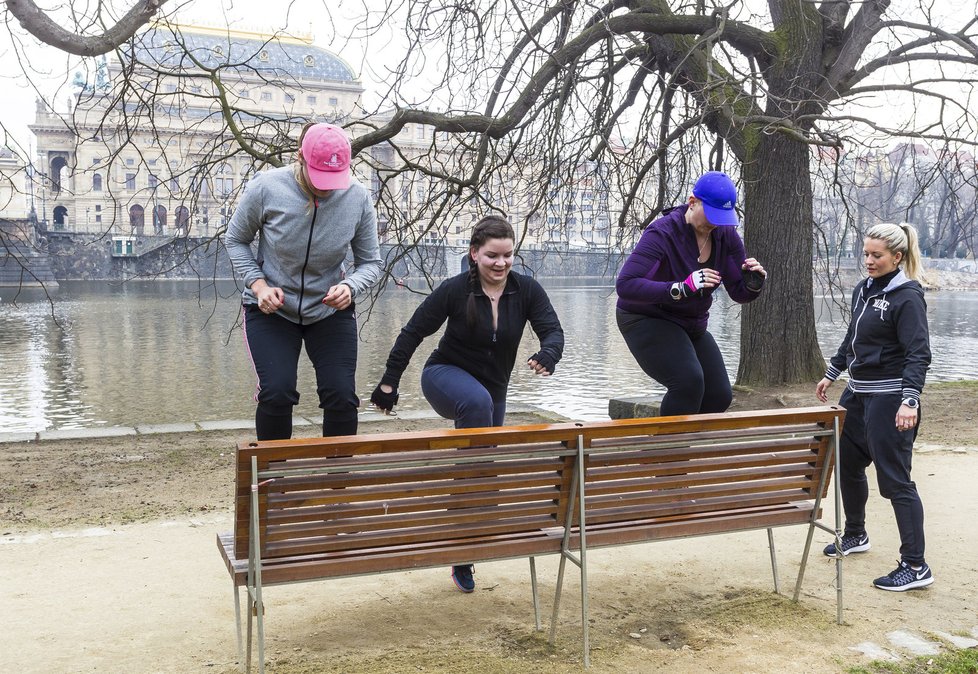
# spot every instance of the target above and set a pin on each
(689, 366)
(274, 344)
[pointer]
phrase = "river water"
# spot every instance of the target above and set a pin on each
(172, 351)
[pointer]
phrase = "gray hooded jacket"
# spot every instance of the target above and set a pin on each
(303, 242)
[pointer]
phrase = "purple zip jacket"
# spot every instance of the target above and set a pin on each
(667, 252)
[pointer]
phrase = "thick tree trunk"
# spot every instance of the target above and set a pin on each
(778, 342)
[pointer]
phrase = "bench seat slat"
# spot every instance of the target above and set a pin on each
(407, 538)
(648, 507)
(410, 489)
(735, 520)
(741, 471)
(358, 508)
(640, 450)
(511, 516)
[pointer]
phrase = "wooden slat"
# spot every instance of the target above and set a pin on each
(510, 514)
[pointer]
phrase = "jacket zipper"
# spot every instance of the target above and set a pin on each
(855, 330)
(305, 263)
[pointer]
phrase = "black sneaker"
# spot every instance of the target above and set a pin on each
(850, 543)
(905, 577)
(462, 575)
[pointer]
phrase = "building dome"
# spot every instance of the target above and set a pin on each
(273, 57)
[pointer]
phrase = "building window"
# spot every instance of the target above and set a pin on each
(244, 93)
(174, 184)
(419, 131)
(153, 182)
(159, 219)
(130, 161)
(266, 95)
(97, 182)
(334, 101)
(311, 100)
(130, 181)
(137, 219)
(289, 98)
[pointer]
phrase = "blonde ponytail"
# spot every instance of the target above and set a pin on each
(902, 239)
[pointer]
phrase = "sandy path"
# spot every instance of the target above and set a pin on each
(155, 597)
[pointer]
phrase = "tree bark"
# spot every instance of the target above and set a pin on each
(780, 324)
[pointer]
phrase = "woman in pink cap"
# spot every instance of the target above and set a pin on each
(665, 290)
(306, 216)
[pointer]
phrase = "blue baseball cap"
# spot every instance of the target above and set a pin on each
(719, 196)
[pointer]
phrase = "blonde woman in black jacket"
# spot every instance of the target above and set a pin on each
(887, 352)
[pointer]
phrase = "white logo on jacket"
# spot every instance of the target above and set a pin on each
(881, 304)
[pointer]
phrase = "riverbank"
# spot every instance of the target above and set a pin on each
(107, 546)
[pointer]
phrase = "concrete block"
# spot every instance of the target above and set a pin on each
(634, 408)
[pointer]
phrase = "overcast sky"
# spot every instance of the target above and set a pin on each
(330, 22)
(51, 71)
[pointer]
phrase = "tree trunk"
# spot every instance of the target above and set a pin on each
(778, 341)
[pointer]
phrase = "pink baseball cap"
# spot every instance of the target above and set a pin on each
(326, 151)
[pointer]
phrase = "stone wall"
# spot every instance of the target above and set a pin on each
(89, 257)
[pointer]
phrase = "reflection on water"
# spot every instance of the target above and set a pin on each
(167, 352)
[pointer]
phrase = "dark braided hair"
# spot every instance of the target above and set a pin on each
(489, 227)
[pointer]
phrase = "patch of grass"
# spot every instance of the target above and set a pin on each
(955, 662)
(964, 384)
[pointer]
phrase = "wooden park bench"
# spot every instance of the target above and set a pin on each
(310, 509)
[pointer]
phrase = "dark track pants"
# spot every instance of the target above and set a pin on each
(870, 435)
(274, 344)
(691, 368)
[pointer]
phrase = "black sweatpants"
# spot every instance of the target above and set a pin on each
(274, 344)
(689, 366)
(870, 435)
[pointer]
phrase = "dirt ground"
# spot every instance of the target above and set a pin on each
(108, 563)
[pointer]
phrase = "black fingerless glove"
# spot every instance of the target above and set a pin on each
(753, 279)
(549, 364)
(384, 401)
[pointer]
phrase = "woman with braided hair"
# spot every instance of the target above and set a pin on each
(487, 308)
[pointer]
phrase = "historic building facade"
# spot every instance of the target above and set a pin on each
(148, 152)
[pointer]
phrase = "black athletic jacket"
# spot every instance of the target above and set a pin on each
(887, 346)
(487, 355)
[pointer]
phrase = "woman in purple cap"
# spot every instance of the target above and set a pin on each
(307, 216)
(665, 289)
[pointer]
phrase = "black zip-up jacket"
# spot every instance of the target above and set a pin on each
(887, 346)
(488, 355)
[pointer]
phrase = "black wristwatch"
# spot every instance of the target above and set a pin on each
(676, 291)
(912, 403)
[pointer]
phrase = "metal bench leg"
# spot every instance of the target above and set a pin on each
(774, 560)
(237, 625)
(536, 597)
(560, 586)
(260, 610)
(250, 632)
